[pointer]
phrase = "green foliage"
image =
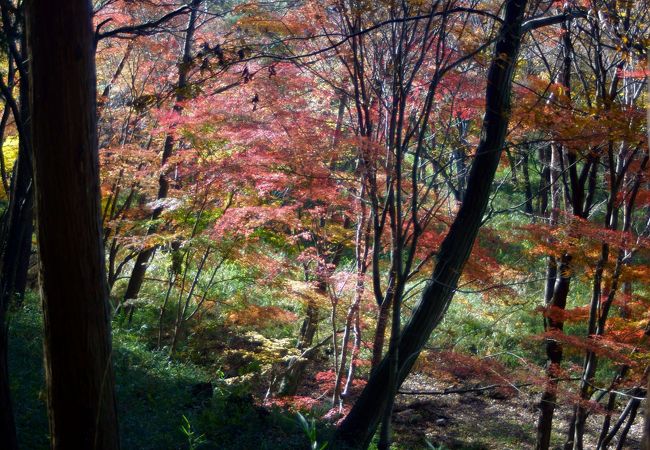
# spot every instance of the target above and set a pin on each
(152, 392)
(430, 446)
(480, 327)
(309, 427)
(27, 378)
(194, 440)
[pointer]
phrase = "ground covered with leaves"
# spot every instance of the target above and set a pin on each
(480, 419)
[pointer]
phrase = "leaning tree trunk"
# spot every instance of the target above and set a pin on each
(77, 338)
(359, 426)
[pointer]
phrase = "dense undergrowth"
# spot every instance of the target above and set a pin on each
(211, 395)
(154, 397)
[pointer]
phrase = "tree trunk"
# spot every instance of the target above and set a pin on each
(645, 445)
(555, 296)
(359, 426)
(646, 429)
(380, 331)
(15, 240)
(611, 406)
(528, 187)
(554, 355)
(628, 425)
(77, 339)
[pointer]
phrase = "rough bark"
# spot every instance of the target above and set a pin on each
(359, 426)
(556, 294)
(77, 340)
(554, 355)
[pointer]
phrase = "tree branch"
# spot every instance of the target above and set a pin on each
(143, 29)
(538, 22)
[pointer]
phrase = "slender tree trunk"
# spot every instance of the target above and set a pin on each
(528, 187)
(163, 308)
(361, 253)
(16, 234)
(340, 369)
(599, 309)
(24, 197)
(380, 330)
(630, 420)
(645, 445)
(555, 297)
(544, 180)
(646, 429)
(181, 316)
(356, 345)
(77, 338)
(554, 355)
(16, 243)
(359, 426)
(621, 420)
(611, 405)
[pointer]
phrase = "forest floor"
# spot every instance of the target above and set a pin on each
(481, 420)
(155, 396)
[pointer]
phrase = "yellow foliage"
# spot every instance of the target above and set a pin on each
(10, 153)
(260, 316)
(306, 292)
(265, 25)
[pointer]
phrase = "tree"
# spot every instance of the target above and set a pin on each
(359, 426)
(140, 266)
(17, 222)
(646, 427)
(77, 340)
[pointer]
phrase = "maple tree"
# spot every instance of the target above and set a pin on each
(293, 193)
(573, 159)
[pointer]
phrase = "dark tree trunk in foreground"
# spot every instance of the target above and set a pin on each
(77, 343)
(359, 426)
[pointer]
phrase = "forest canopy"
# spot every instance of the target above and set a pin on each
(324, 224)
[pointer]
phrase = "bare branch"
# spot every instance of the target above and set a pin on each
(538, 22)
(143, 29)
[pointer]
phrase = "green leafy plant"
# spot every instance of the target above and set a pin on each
(309, 427)
(430, 446)
(194, 440)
